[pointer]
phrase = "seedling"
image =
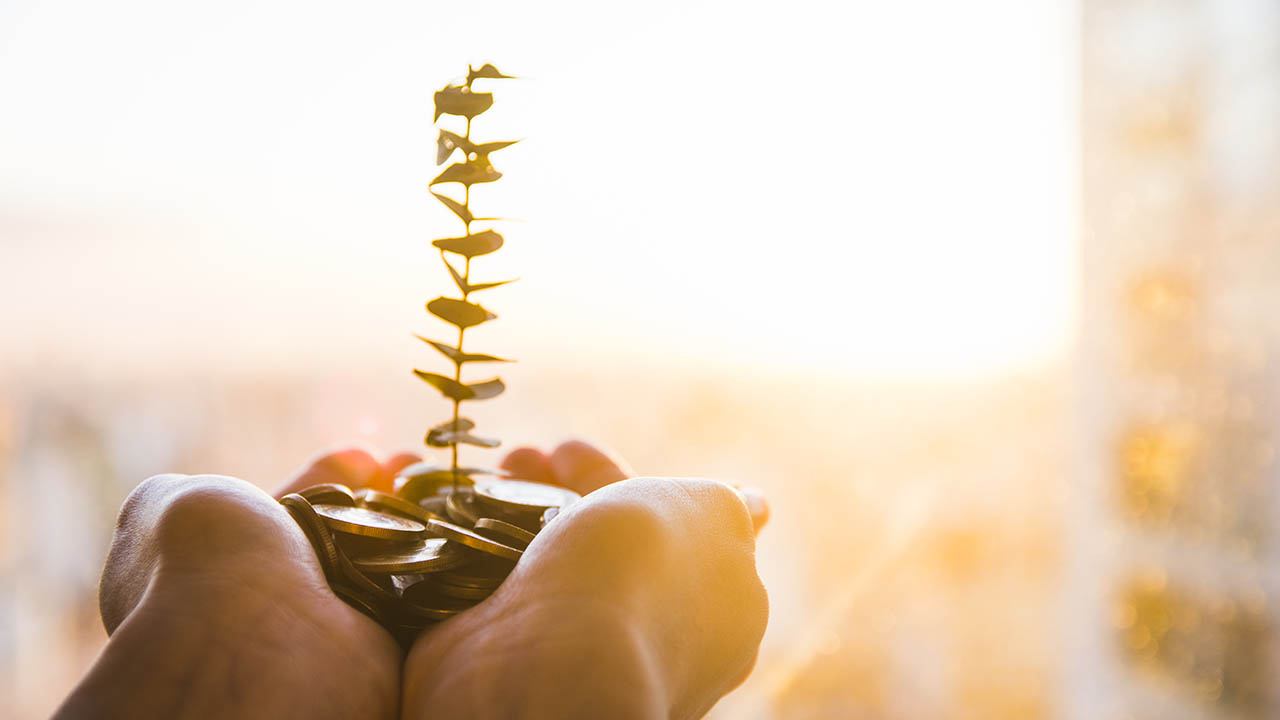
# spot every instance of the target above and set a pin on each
(474, 168)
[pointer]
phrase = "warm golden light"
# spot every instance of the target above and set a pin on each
(981, 295)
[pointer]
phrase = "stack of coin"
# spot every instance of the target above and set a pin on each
(429, 551)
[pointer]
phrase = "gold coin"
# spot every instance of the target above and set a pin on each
(428, 469)
(462, 592)
(360, 602)
(428, 555)
(483, 571)
(456, 579)
(549, 515)
(370, 523)
(358, 581)
(523, 496)
(401, 581)
(424, 600)
(460, 507)
(315, 530)
(505, 530)
(376, 500)
(424, 479)
(330, 494)
(436, 504)
(472, 539)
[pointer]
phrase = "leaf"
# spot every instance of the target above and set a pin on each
(458, 208)
(458, 100)
(481, 243)
(487, 389)
(459, 357)
(467, 288)
(445, 439)
(447, 386)
(484, 149)
(468, 173)
(486, 71)
(450, 141)
(460, 425)
(458, 280)
(486, 286)
(459, 312)
(455, 390)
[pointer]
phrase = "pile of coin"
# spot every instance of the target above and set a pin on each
(431, 550)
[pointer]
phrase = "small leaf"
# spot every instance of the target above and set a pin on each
(450, 141)
(484, 149)
(481, 243)
(459, 312)
(460, 425)
(458, 100)
(468, 173)
(445, 439)
(458, 280)
(447, 386)
(487, 389)
(466, 288)
(458, 208)
(486, 71)
(458, 357)
(486, 286)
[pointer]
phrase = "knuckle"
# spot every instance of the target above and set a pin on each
(145, 496)
(624, 519)
(614, 536)
(213, 513)
(722, 505)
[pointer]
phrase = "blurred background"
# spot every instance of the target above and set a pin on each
(982, 294)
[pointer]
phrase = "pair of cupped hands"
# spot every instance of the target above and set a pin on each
(640, 601)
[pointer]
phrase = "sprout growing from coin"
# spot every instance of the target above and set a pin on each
(449, 535)
(473, 168)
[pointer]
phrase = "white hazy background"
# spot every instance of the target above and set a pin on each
(826, 248)
(829, 187)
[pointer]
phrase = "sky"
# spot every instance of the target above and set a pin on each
(851, 189)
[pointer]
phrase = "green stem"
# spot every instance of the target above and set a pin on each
(457, 366)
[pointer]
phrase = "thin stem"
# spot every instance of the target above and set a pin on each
(457, 365)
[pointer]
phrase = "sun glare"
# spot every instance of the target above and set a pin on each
(795, 208)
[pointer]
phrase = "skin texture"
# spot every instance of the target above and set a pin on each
(642, 601)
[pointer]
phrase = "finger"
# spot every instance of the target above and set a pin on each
(391, 467)
(352, 467)
(583, 469)
(401, 460)
(757, 505)
(178, 522)
(528, 463)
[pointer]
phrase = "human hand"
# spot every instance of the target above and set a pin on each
(640, 601)
(217, 607)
